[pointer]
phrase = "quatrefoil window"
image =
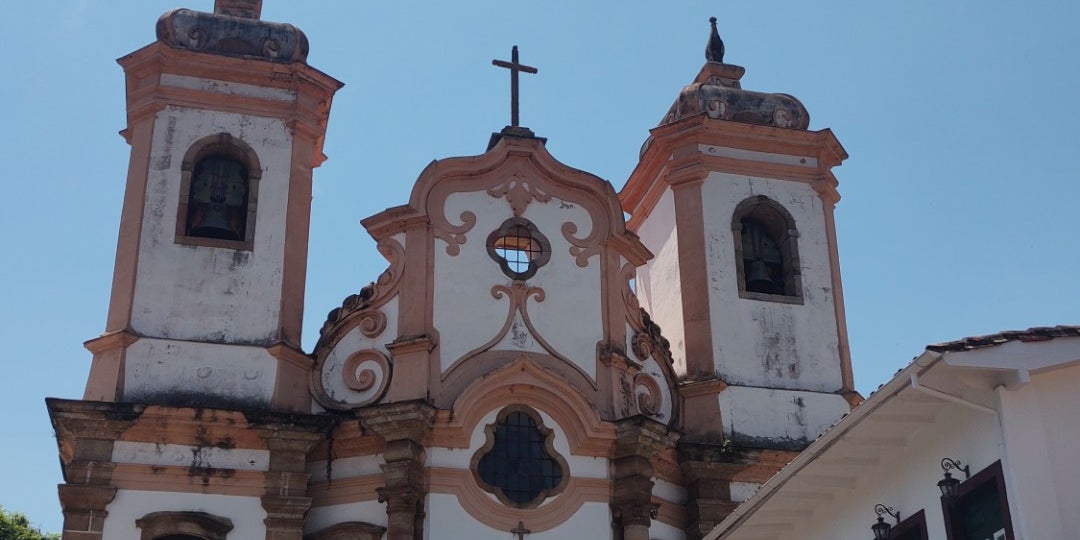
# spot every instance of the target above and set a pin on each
(518, 463)
(519, 248)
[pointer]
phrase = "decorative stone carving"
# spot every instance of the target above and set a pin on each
(648, 393)
(518, 192)
(232, 36)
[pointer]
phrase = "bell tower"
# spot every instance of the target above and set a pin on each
(735, 197)
(226, 122)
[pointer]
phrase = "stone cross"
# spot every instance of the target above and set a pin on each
(514, 68)
(520, 530)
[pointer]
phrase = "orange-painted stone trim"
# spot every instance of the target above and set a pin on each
(483, 508)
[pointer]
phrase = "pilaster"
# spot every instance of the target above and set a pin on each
(637, 439)
(285, 498)
(85, 432)
(403, 426)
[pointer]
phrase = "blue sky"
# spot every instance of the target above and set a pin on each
(960, 118)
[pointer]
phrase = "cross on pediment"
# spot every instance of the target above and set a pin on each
(520, 530)
(515, 67)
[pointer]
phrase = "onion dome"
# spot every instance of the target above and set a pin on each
(233, 29)
(717, 92)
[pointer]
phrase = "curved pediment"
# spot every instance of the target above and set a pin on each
(521, 171)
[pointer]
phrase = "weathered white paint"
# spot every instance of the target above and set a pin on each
(190, 456)
(762, 343)
(459, 458)
(740, 491)
(652, 368)
(201, 293)
(463, 284)
(519, 338)
(767, 413)
(321, 517)
(246, 513)
(659, 288)
(659, 530)
(354, 340)
(668, 491)
(752, 155)
(160, 367)
(227, 87)
(346, 467)
(446, 519)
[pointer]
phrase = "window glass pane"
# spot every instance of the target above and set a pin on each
(518, 464)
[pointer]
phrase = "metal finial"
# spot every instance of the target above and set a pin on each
(714, 51)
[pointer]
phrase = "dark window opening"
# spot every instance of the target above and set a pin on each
(218, 199)
(519, 248)
(766, 251)
(179, 537)
(519, 464)
(763, 263)
(912, 528)
(981, 508)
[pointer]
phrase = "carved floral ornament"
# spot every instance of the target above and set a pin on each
(518, 192)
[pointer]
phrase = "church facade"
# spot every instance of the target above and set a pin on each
(531, 364)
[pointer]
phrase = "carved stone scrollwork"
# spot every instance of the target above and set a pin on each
(581, 248)
(372, 323)
(370, 297)
(643, 346)
(362, 380)
(453, 235)
(649, 395)
(368, 372)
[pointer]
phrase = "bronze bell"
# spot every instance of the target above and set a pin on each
(759, 280)
(218, 199)
(215, 223)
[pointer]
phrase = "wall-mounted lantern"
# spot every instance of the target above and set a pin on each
(949, 486)
(881, 528)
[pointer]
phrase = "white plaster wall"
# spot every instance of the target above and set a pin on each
(446, 519)
(182, 455)
(658, 282)
(468, 316)
(1042, 436)
(346, 467)
(740, 491)
(203, 293)
(159, 367)
(906, 478)
(227, 87)
(760, 343)
(246, 513)
(750, 413)
(321, 517)
(668, 491)
(651, 367)
(662, 531)
(354, 340)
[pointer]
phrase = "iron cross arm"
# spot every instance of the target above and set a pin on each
(515, 67)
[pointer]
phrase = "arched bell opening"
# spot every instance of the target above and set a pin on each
(218, 193)
(766, 251)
